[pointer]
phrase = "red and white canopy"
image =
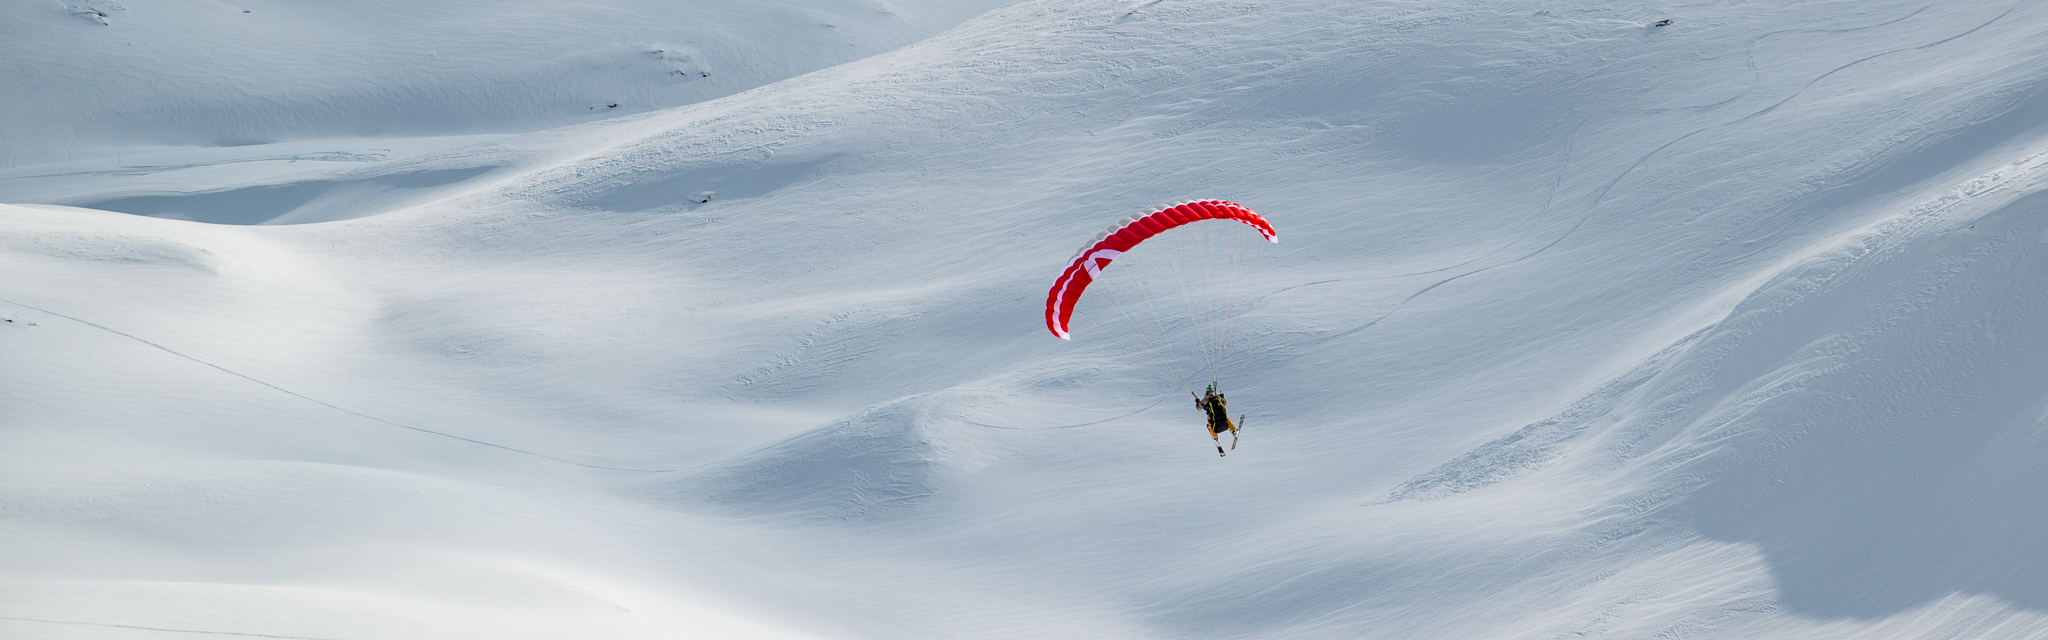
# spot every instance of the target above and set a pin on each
(1089, 263)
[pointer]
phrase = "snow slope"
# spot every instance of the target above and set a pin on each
(1577, 327)
(100, 77)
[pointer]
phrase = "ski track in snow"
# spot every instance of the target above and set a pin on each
(190, 631)
(1583, 327)
(320, 402)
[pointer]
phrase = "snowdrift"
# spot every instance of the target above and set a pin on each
(1729, 328)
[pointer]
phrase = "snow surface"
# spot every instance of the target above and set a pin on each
(1579, 327)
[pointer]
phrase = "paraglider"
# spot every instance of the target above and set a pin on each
(1212, 404)
(1185, 336)
(1080, 272)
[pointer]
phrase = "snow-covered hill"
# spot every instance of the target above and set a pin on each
(1579, 327)
(94, 78)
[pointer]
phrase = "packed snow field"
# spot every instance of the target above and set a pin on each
(370, 320)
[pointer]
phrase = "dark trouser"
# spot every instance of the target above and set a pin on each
(1219, 422)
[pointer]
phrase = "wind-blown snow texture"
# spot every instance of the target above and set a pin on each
(1582, 327)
